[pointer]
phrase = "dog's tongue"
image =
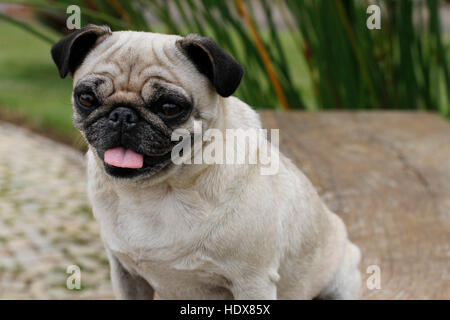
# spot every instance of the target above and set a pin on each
(124, 158)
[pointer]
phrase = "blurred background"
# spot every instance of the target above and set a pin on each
(299, 55)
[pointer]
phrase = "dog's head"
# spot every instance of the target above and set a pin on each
(132, 89)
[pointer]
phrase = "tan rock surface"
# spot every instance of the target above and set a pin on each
(387, 174)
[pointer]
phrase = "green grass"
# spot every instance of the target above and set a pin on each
(30, 87)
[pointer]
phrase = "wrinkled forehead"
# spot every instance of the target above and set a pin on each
(131, 59)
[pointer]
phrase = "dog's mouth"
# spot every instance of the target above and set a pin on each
(123, 158)
(123, 162)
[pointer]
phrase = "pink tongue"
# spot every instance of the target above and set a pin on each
(124, 158)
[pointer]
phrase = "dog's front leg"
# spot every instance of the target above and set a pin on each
(254, 289)
(127, 286)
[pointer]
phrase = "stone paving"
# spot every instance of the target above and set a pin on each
(46, 223)
(354, 160)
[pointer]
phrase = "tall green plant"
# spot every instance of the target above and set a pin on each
(402, 66)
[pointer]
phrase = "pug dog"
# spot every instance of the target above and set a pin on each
(192, 231)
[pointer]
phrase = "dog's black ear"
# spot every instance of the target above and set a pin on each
(222, 70)
(69, 52)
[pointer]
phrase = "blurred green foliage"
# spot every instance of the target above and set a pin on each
(31, 91)
(324, 56)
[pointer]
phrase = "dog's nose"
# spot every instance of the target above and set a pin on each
(123, 117)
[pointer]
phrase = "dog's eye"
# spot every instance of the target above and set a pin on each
(170, 110)
(87, 100)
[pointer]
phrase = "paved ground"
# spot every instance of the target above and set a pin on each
(45, 221)
(387, 174)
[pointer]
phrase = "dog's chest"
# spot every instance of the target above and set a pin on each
(159, 236)
(152, 225)
(193, 276)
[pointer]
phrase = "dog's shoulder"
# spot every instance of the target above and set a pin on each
(240, 115)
